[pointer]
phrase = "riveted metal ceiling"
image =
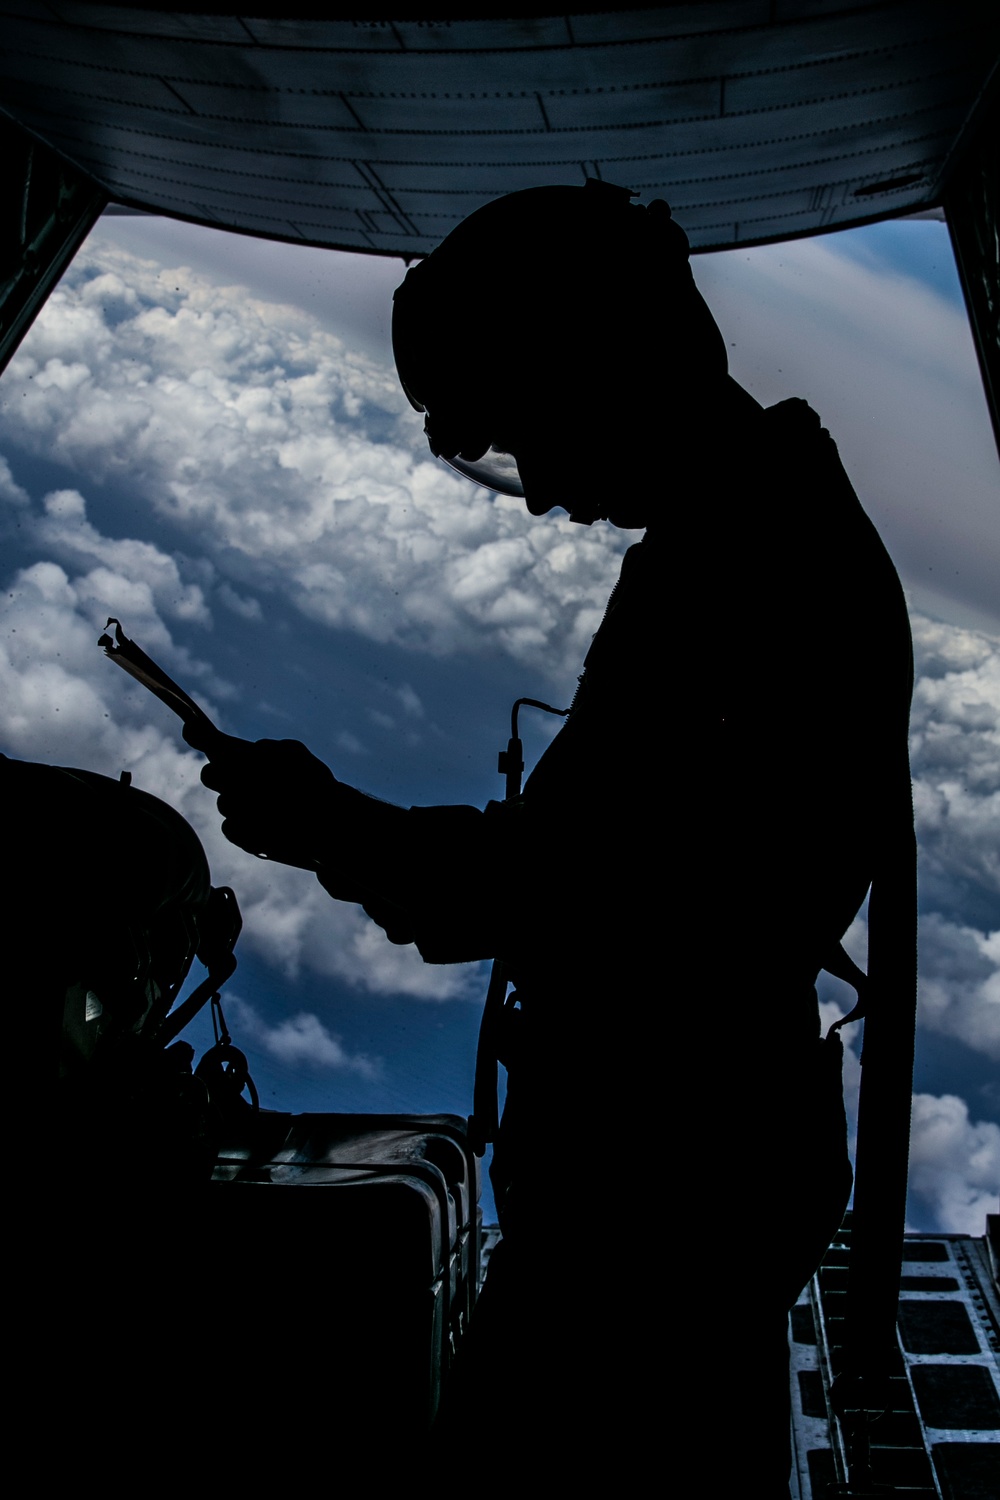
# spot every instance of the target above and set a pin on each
(756, 119)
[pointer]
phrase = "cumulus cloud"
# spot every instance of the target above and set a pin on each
(246, 608)
(300, 1040)
(955, 760)
(954, 1164)
(292, 463)
(64, 533)
(349, 742)
(62, 702)
(12, 495)
(960, 983)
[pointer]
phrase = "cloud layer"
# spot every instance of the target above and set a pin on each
(299, 1041)
(293, 464)
(954, 1164)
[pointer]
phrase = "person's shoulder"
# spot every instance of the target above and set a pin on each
(798, 443)
(820, 498)
(794, 411)
(793, 419)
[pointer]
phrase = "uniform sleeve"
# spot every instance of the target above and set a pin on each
(443, 875)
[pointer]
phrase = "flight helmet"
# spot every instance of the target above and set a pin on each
(564, 297)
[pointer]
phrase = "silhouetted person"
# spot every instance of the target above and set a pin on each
(697, 838)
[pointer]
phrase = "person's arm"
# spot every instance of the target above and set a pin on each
(425, 875)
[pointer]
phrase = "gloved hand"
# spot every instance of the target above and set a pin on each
(277, 800)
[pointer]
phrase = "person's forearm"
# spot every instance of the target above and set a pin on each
(360, 846)
(429, 875)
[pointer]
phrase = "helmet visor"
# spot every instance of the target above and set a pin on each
(495, 470)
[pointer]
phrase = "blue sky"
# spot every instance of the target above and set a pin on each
(203, 435)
